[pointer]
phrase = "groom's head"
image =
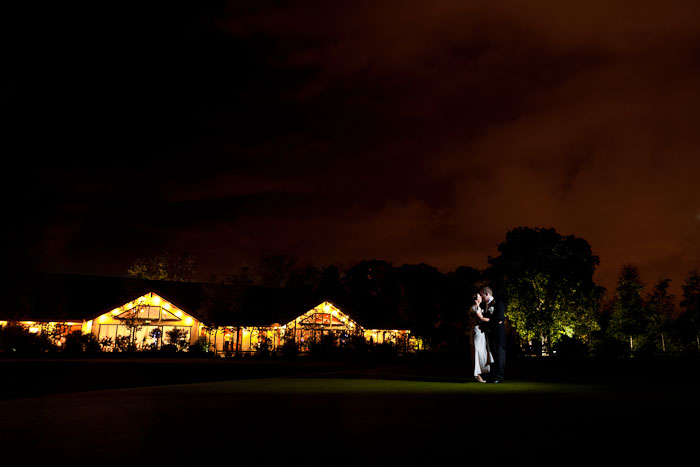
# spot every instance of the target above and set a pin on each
(487, 294)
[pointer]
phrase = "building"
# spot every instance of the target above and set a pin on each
(127, 314)
(131, 314)
(324, 323)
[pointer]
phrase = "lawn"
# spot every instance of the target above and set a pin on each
(368, 415)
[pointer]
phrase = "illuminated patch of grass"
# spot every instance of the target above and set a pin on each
(378, 386)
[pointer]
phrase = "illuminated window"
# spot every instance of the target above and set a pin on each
(167, 316)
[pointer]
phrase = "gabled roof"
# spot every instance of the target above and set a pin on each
(151, 308)
(324, 314)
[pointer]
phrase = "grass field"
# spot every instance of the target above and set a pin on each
(349, 414)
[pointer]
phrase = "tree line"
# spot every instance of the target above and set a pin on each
(553, 303)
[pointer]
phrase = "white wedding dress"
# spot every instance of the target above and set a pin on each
(480, 352)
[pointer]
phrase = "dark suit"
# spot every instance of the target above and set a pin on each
(497, 338)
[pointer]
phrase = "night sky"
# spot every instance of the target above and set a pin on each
(409, 131)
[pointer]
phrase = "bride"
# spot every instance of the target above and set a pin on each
(480, 353)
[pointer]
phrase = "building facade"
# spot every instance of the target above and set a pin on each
(324, 323)
(151, 321)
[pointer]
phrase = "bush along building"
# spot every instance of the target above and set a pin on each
(126, 315)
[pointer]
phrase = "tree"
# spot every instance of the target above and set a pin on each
(628, 315)
(221, 306)
(165, 266)
(547, 282)
(373, 291)
(660, 305)
(690, 306)
(274, 270)
(420, 305)
(330, 283)
(134, 325)
(304, 278)
(236, 285)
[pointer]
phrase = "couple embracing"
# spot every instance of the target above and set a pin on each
(488, 337)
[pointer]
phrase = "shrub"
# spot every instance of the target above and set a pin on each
(17, 338)
(289, 348)
(325, 347)
(79, 342)
(178, 338)
(124, 344)
(383, 351)
(201, 345)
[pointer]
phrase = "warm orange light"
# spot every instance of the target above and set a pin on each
(189, 320)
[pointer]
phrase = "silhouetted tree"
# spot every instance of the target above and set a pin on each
(222, 305)
(547, 282)
(237, 285)
(330, 283)
(420, 305)
(274, 270)
(304, 278)
(242, 279)
(660, 305)
(165, 266)
(373, 290)
(690, 306)
(628, 315)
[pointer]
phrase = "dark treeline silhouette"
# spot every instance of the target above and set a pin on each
(636, 320)
(553, 305)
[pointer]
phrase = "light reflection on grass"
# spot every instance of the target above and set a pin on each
(377, 386)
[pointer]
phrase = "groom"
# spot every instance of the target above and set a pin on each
(495, 310)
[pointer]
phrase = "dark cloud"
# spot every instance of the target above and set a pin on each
(340, 132)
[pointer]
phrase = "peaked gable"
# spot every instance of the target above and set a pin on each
(325, 314)
(149, 307)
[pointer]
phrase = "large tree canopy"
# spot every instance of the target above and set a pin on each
(547, 281)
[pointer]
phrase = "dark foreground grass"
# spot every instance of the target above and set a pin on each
(389, 414)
